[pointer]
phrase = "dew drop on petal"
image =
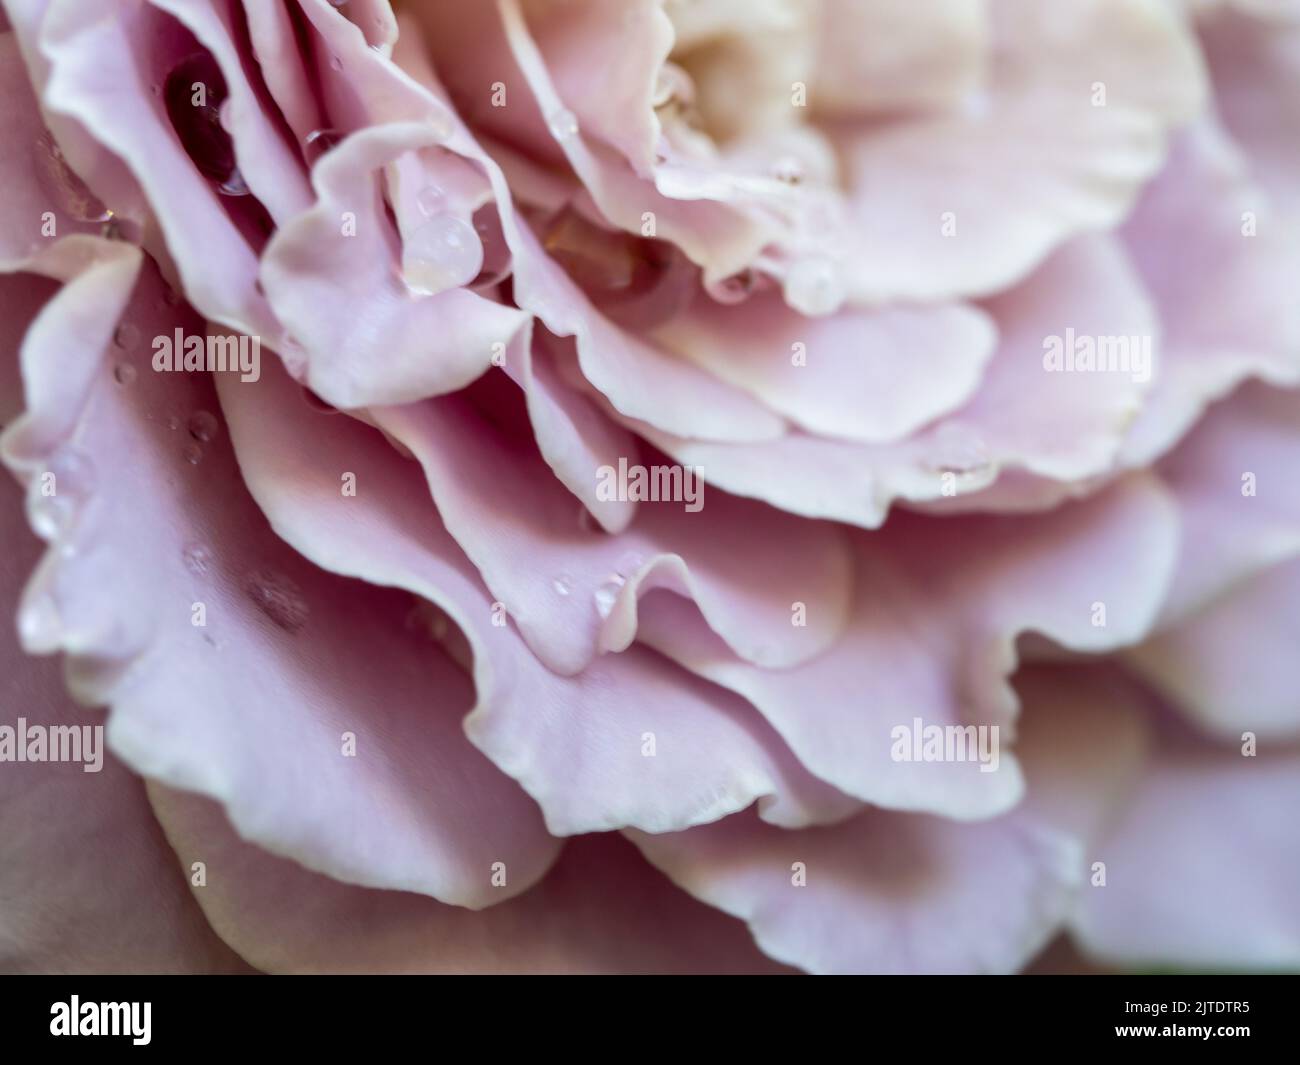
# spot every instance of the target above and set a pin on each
(562, 585)
(607, 595)
(443, 253)
(813, 287)
(563, 124)
(58, 494)
(39, 624)
(234, 185)
(959, 449)
(203, 426)
(124, 374)
(192, 453)
(318, 142)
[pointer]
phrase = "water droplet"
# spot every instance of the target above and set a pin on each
(734, 289)
(338, 3)
(279, 598)
(443, 253)
(318, 142)
(126, 336)
(336, 63)
(813, 287)
(39, 624)
(607, 594)
(234, 185)
(192, 453)
(124, 374)
(563, 124)
(562, 585)
(431, 200)
(959, 449)
(197, 558)
(173, 422)
(203, 426)
(788, 169)
(57, 495)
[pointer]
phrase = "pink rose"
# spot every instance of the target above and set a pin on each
(563, 485)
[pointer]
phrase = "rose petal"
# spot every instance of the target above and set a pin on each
(90, 884)
(631, 740)
(1226, 308)
(869, 376)
(932, 636)
(1033, 162)
(601, 909)
(287, 659)
(574, 591)
(1202, 870)
(330, 275)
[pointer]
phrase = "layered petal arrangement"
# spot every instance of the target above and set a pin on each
(649, 485)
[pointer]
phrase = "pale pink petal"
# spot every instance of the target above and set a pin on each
(103, 59)
(601, 909)
(869, 376)
(253, 705)
(1032, 161)
(44, 198)
(631, 740)
(332, 276)
(613, 100)
(932, 636)
(88, 881)
(573, 435)
(1234, 480)
(997, 451)
(884, 892)
(274, 46)
(641, 381)
(573, 590)
(1232, 665)
(1254, 65)
(1211, 252)
(1203, 870)
(720, 220)
(909, 893)
(897, 55)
